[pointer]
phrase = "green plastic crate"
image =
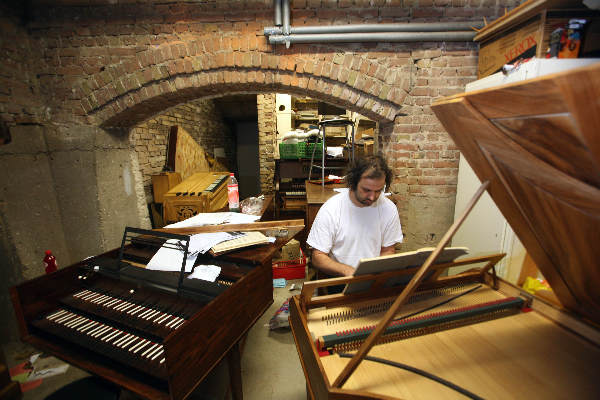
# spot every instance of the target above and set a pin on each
(305, 150)
(299, 150)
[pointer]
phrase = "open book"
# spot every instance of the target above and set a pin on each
(405, 260)
(246, 240)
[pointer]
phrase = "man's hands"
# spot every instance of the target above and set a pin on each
(323, 262)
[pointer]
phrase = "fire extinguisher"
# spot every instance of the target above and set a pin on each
(50, 262)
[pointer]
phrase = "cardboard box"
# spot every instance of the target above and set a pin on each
(520, 42)
(525, 32)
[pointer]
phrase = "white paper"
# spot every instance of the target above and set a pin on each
(170, 259)
(203, 242)
(335, 151)
(206, 272)
(218, 218)
(201, 219)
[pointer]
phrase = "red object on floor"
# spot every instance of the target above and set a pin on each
(292, 269)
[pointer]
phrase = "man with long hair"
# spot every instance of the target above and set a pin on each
(359, 223)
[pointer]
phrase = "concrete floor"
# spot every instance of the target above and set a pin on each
(270, 366)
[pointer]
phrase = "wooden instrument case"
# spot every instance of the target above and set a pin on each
(537, 143)
(191, 351)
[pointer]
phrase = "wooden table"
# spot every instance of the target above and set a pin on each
(316, 195)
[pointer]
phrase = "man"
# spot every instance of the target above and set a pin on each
(359, 223)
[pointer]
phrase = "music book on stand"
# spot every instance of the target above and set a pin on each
(400, 261)
(247, 240)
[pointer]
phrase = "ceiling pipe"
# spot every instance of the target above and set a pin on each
(277, 11)
(369, 28)
(374, 37)
(283, 33)
(285, 16)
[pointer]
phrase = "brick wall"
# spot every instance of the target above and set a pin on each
(114, 66)
(74, 81)
(199, 118)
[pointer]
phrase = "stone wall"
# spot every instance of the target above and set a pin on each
(267, 133)
(199, 118)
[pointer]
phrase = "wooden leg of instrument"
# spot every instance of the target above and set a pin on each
(308, 394)
(235, 372)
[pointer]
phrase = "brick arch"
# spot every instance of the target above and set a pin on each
(166, 75)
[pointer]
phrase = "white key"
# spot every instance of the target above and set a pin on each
(162, 350)
(179, 324)
(69, 316)
(111, 335)
(68, 322)
(96, 329)
(129, 341)
(151, 314)
(122, 340)
(164, 317)
(128, 307)
(110, 303)
(56, 314)
(81, 293)
(149, 349)
(145, 313)
(137, 348)
(78, 322)
(155, 352)
(101, 331)
(134, 310)
(91, 295)
(89, 326)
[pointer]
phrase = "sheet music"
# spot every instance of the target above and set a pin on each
(170, 258)
(249, 239)
(206, 272)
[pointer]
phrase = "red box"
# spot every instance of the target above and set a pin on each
(293, 269)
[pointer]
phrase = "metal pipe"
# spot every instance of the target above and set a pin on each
(367, 28)
(375, 37)
(277, 10)
(285, 14)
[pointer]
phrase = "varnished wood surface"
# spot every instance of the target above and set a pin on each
(512, 357)
(284, 231)
(318, 194)
(523, 356)
(538, 142)
(191, 351)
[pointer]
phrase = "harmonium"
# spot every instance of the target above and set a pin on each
(419, 333)
(153, 332)
(202, 192)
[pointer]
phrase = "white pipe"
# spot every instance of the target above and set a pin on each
(285, 14)
(277, 11)
(368, 28)
(375, 37)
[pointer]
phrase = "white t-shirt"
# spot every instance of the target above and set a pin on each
(348, 233)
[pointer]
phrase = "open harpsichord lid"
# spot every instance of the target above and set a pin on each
(538, 143)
